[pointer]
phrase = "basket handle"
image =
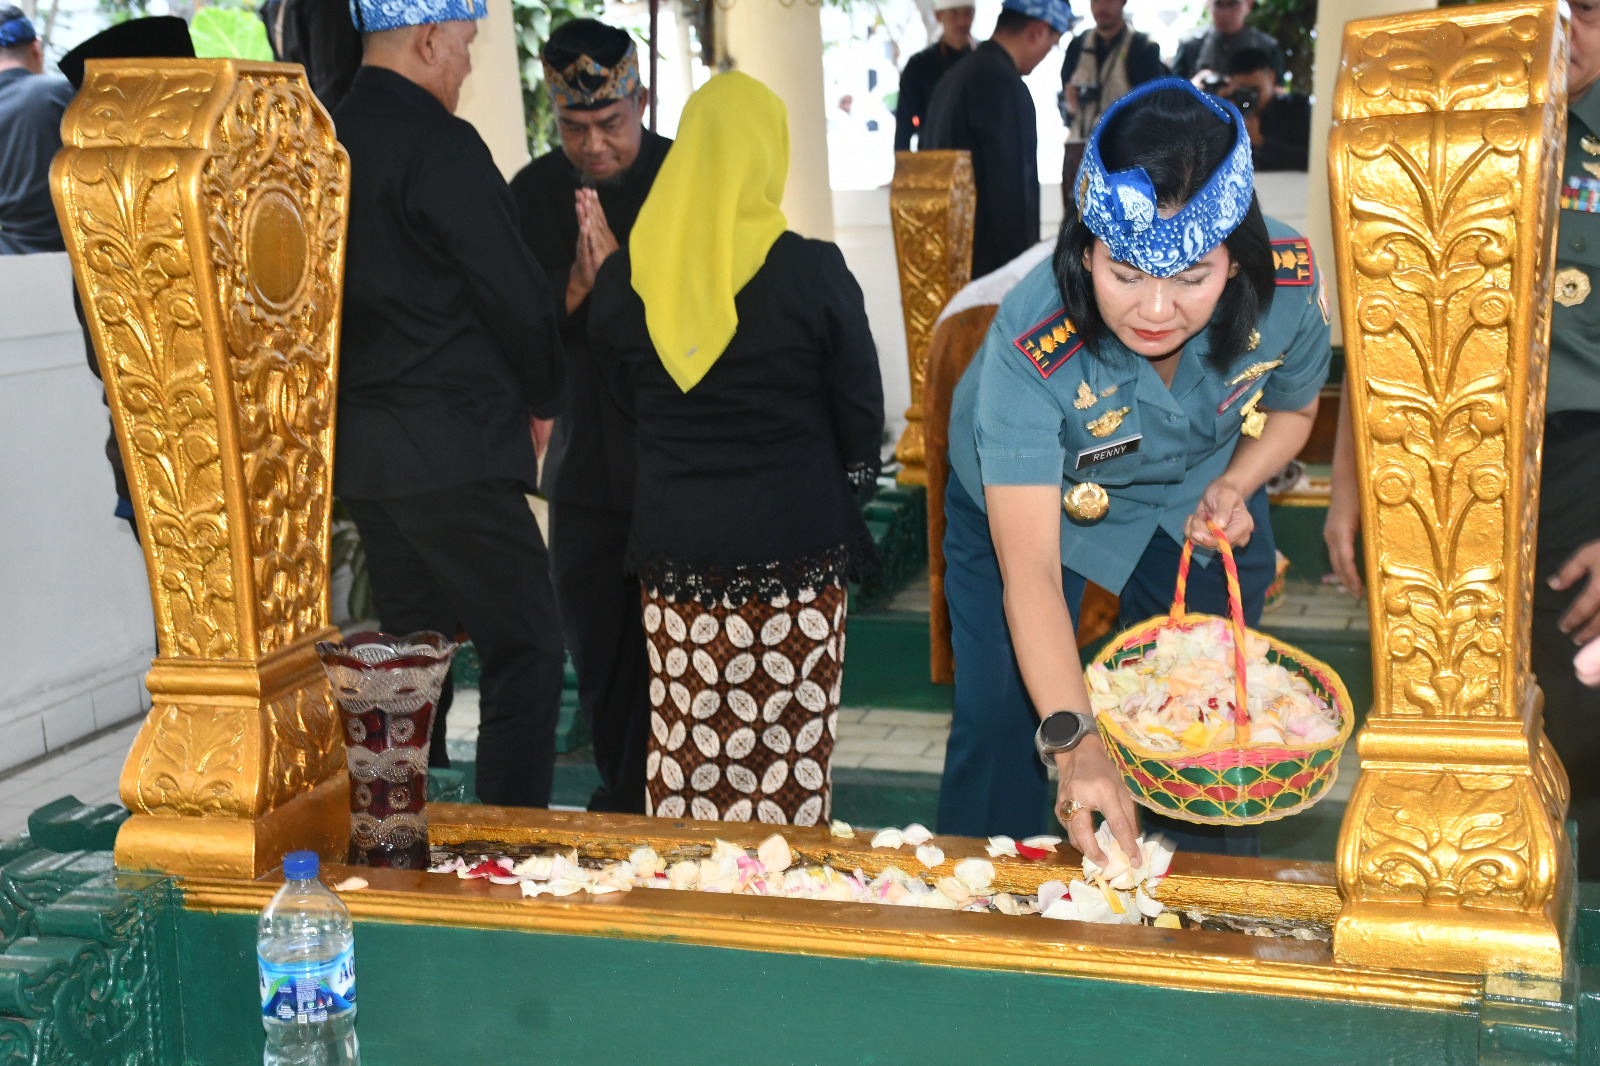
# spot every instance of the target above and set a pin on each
(1241, 715)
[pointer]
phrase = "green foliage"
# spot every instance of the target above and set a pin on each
(1293, 23)
(229, 33)
(535, 20)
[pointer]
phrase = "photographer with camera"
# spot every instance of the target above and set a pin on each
(1279, 122)
(1207, 57)
(1102, 64)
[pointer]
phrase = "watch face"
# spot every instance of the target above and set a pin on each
(1060, 729)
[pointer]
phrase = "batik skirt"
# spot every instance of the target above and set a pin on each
(744, 705)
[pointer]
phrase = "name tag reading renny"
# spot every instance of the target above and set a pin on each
(1099, 454)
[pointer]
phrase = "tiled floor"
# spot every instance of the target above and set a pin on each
(88, 771)
(1325, 607)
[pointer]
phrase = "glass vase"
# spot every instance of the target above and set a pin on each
(386, 688)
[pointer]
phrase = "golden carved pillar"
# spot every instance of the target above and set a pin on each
(203, 204)
(931, 207)
(1446, 149)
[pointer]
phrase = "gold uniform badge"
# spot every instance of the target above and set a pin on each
(1086, 502)
(1107, 423)
(1086, 397)
(1254, 420)
(1572, 287)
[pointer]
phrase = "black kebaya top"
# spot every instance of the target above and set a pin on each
(449, 336)
(748, 482)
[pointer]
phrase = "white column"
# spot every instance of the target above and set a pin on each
(491, 98)
(780, 45)
(1331, 18)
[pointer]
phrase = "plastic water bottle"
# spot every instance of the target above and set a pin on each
(305, 945)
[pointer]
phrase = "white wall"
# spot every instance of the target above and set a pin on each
(76, 631)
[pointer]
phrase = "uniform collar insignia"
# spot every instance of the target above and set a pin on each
(1050, 343)
(1291, 258)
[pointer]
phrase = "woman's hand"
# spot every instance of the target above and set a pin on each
(1090, 780)
(1342, 531)
(1224, 504)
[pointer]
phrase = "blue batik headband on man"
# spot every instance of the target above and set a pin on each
(1057, 13)
(15, 31)
(1120, 208)
(375, 16)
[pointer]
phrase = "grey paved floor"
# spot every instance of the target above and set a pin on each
(88, 771)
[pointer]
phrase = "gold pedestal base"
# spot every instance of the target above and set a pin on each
(911, 452)
(318, 821)
(1451, 939)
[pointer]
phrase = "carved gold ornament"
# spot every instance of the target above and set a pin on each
(1253, 371)
(1107, 423)
(932, 205)
(204, 206)
(1452, 856)
(1572, 287)
(1086, 397)
(1086, 502)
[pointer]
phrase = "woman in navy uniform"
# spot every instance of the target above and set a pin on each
(1151, 377)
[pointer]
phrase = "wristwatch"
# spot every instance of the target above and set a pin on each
(1061, 731)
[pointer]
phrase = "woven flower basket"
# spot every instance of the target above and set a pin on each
(1229, 783)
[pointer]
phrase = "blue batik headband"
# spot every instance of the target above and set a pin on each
(375, 16)
(1120, 208)
(15, 31)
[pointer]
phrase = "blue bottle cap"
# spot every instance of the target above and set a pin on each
(300, 865)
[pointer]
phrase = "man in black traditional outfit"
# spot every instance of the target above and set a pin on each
(924, 69)
(31, 105)
(577, 205)
(983, 106)
(449, 346)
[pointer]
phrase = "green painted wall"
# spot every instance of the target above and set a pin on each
(434, 996)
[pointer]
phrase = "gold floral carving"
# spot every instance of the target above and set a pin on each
(932, 205)
(204, 204)
(1442, 176)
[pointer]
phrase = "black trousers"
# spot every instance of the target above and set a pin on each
(472, 557)
(601, 617)
(1569, 517)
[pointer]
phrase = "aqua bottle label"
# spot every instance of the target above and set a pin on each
(308, 991)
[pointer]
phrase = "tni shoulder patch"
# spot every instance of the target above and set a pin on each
(1050, 343)
(1291, 257)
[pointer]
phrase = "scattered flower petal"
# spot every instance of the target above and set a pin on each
(930, 855)
(774, 853)
(1046, 842)
(975, 874)
(1168, 920)
(999, 846)
(1032, 854)
(916, 834)
(1051, 891)
(841, 830)
(351, 884)
(888, 838)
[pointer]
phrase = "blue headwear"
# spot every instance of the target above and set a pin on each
(1120, 208)
(375, 16)
(17, 30)
(1058, 13)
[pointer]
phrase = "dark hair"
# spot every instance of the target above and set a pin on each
(604, 44)
(1250, 60)
(1179, 143)
(1012, 22)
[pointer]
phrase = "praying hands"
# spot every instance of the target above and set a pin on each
(595, 244)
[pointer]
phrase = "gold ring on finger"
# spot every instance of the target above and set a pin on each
(1071, 809)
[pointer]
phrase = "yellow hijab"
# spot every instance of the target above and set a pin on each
(709, 221)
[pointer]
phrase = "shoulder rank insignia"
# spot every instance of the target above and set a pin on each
(1050, 343)
(1255, 370)
(1292, 258)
